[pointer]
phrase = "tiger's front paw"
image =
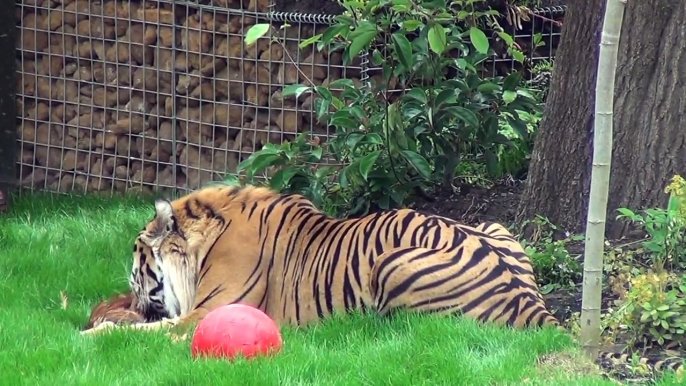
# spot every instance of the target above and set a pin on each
(106, 325)
(160, 324)
(171, 322)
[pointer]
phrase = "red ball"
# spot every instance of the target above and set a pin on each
(233, 330)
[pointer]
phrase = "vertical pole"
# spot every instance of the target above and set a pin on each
(8, 103)
(600, 177)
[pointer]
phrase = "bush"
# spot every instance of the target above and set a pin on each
(388, 146)
(554, 266)
(665, 227)
(652, 298)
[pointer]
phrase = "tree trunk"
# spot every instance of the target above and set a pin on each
(649, 115)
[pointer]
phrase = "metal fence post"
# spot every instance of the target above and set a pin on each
(8, 103)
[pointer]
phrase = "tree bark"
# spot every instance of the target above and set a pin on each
(650, 101)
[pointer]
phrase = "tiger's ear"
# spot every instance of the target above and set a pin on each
(164, 217)
(163, 209)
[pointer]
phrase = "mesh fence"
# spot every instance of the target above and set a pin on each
(119, 96)
(537, 34)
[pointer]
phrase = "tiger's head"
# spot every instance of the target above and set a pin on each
(169, 251)
(158, 248)
(146, 281)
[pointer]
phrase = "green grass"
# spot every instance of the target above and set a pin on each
(82, 248)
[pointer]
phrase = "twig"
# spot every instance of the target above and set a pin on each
(628, 244)
(557, 23)
(516, 11)
(297, 67)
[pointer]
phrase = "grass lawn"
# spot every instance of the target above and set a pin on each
(52, 248)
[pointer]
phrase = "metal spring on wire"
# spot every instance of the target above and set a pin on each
(364, 68)
(305, 18)
(293, 17)
(552, 10)
(326, 19)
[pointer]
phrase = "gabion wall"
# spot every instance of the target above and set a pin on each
(117, 96)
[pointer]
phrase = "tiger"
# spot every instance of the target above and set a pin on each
(279, 253)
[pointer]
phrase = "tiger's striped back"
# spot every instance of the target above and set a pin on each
(281, 254)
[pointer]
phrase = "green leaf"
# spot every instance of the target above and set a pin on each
(673, 205)
(437, 38)
(384, 202)
(255, 32)
(519, 127)
(517, 55)
(367, 163)
(343, 178)
(419, 163)
(548, 288)
(501, 139)
(230, 180)
(417, 94)
(357, 112)
(309, 41)
(322, 107)
(294, 89)
(506, 37)
(345, 122)
(324, 93)
(511, 81)
(373, 138)
(245, 164)
(345, 20)
(262, 161)
(377, 59)
(403, 49)
(353, 4)
(324, 172)
(268, 148)
(401, 5)
(411, 25)
(491, 163)
(478, 39)
(361, 37)
(509, 96)
(317, 154)
(395, 119)
(488, 87)
(445, 96)
(352, 140)
(282, 178)
(330, 33)
(434, 4)
(341, 83)
(465, 115)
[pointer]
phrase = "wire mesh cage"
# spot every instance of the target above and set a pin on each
(536, 33)
(164, 95)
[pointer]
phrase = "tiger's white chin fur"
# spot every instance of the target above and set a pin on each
(179, 286)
